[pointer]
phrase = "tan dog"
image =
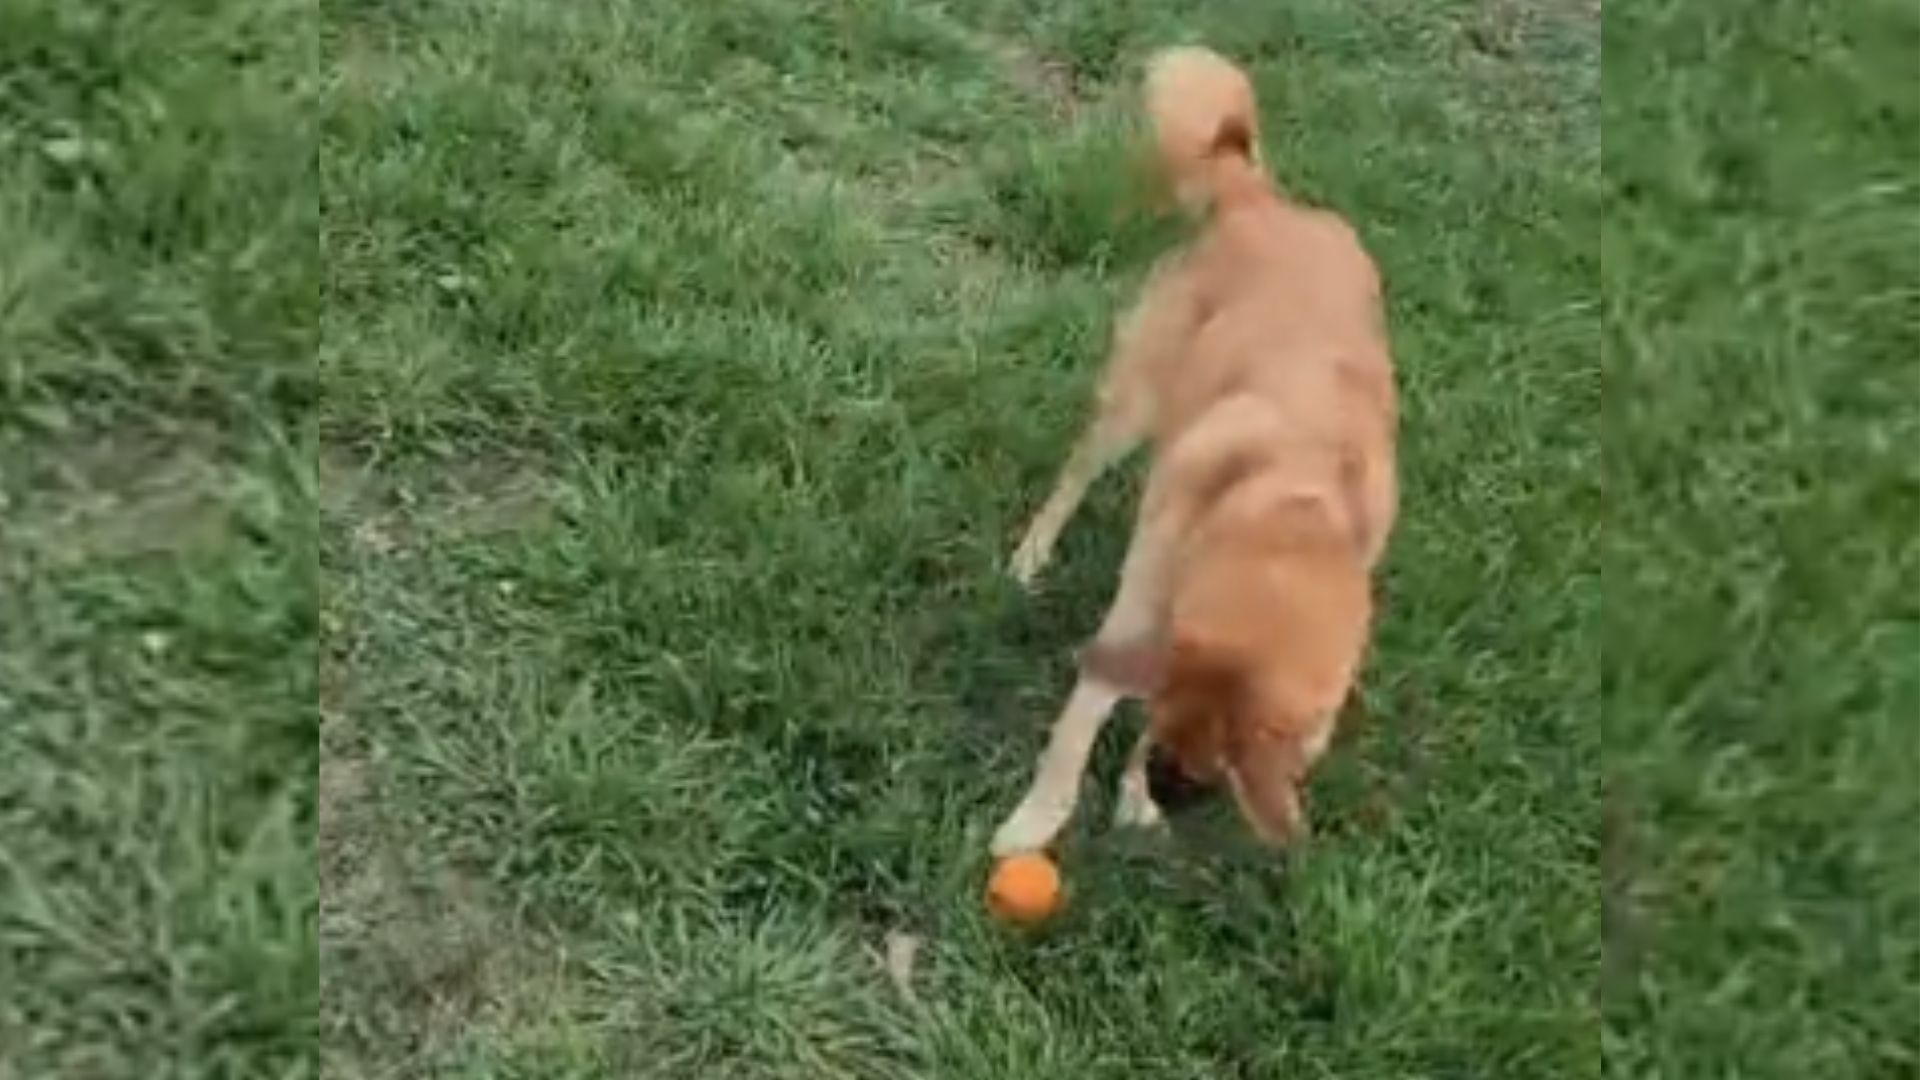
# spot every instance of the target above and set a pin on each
(1256, 363)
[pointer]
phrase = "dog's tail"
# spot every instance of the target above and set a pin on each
(1202, 110)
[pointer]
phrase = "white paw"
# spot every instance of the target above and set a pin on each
(1029, 559)
(1031, 828)
(1135, 808)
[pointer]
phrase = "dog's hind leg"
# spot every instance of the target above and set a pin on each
(1056, 783)
(1135, 615)
(1115, 431)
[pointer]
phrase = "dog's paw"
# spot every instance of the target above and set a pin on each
(1031, 828)
(1028, 560)
(1134, 807)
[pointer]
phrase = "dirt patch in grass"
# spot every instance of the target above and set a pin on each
(1047, 78)
(414, 955)
(388, 510)
(120, 494)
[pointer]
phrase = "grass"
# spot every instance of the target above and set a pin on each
(1761, 259)
(158, 596)
(555, 627)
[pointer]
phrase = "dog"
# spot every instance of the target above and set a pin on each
(1256, 363)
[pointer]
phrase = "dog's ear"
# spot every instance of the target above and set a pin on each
(1192, 716)
(1266, 770)
(1137, 668)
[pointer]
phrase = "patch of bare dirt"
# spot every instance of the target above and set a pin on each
(1047, 78)
(1503, 28)
(1499, 27)
(385, 514)
(413, 953)
(121, 494)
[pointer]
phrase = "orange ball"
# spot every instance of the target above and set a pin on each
(1024, 888)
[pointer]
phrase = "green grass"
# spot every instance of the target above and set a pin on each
(583, 666)
(1762, 289)
(158, 591)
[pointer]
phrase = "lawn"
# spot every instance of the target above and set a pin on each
(583, 665)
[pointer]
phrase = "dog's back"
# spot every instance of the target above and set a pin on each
(1288, 327)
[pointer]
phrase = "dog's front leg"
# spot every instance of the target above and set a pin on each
(1151, 336)
(1135, 616)
(1056, 784)
(1133, 805)
(1112, 434)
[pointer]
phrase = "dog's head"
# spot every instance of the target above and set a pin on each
(1214, 724)
(1246, 687)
